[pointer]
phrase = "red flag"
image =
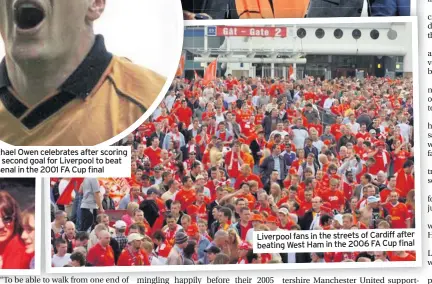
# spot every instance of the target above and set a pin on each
(290, 72)
(210, 73)
(181, 66)
(66, 197)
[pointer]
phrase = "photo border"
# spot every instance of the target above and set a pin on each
(38, 236)
(169, 79)
(282, 266)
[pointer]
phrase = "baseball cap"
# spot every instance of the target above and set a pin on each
(152, 190)
(271, 219)
(134, 237)
(257, 217)
(283, 211)
(120, 224)
(213, 249)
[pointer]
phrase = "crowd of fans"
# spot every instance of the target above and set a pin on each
(218, 161)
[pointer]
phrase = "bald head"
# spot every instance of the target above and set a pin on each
(104, 238)
(70, 229)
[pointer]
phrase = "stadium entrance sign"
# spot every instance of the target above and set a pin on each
(247, 31)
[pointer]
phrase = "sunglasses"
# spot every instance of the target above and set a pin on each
(7, 220)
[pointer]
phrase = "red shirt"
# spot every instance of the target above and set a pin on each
(399, 214)
(335, 130)
(304, 207)
(184, 115)
(170, 235)
(234, 167)
(287, 226)
(244, 230)
(147, 128)
(241, 179)
(364, 135)
(128, 258)
(409, 257)
(334, 197)
(99, 256)
(339, 256)
(186, 198)
(14, 255)
(348, 190)
(399, 159)
(318, 127)
(168, 118)
(154, 155)
(382, 160)
(386, 192)
(164, 249)
(259, 118)
(404, 182)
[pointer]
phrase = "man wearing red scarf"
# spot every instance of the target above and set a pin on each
(233, 161)
(132, 254)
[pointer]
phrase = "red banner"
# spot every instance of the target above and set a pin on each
(251, 31)
(181, 65)
(210, 73)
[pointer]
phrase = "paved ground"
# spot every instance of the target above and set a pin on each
(23, 190)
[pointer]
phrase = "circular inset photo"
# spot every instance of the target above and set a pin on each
(79, 73)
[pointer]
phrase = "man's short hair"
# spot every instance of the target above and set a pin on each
(79, 257)
(226, 212)
(185, 179)
(59, 241)
(408, 163)
(100, 227)
(82, 236)
(60, 213)
(368, 177)
(100, 217)
(159, 235)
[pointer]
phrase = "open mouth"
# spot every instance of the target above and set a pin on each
(28, 15)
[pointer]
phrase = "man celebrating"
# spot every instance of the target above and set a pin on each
(58, 83)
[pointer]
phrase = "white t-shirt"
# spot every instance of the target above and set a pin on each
(249, 235)
(355, 127)
(167, 195)
(58, 261)
(405, 130)
(299, 137)
(230, 99)
(282, 133)
(328, 103)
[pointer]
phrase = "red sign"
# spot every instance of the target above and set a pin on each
(251, 31)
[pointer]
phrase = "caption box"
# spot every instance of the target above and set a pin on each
(106, 161)
(333, 241)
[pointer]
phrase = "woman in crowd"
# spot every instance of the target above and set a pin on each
(13, 250)
(28, 234)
